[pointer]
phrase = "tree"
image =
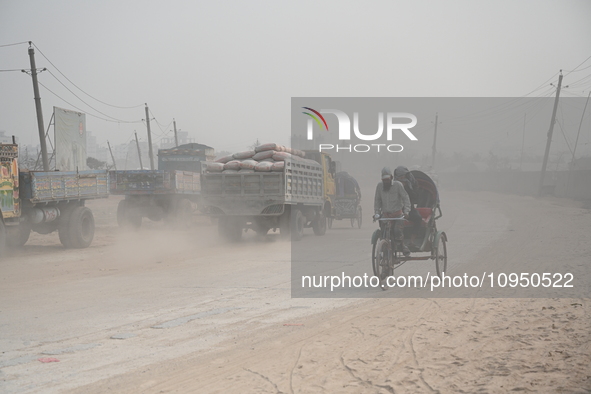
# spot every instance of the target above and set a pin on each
(256, 143)
(95, 164)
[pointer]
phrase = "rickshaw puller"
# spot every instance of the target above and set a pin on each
(392, 201)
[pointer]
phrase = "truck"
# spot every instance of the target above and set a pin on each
(45, 202)
(301, 196)
(169, 193)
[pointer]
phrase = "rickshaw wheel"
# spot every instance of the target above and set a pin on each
(359, 217)
(382, 258)
(441, 255)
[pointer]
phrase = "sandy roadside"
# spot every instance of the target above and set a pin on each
(414, 345)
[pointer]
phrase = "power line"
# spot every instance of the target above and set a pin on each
(69, 90)
(16, 43)
(575, 69)
(94, 98)
(107, 120)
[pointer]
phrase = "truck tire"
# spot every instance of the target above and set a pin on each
(80, 228)
(297, 225)
(319, 225)
(128, 217)
(19, 236)
(63, 226)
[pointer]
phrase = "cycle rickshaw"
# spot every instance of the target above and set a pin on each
(347, 200)
(420, 237)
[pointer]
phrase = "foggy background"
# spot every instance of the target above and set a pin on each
(226, 71)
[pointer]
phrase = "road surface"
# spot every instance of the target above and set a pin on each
(168, 311)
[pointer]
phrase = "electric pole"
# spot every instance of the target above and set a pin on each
(522, 143)
(176, 138)
(112, 157)
(550, 131)
(40, 125)
(139, 152)
(572, 160)
(150, 153)
(434, 144)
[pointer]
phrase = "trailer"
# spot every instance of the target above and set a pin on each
(298, 197)
(157, 195)
(171, 193)
(45, 202)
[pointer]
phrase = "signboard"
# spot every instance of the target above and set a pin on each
(70, 140)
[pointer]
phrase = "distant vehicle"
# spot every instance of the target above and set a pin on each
(169, 193)
(300, 196)
(347, 200)
(46, 201)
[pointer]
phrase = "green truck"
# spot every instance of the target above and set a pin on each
(45, 202)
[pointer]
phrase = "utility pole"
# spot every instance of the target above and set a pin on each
(434, 144)
(550, 131)
(150, 153)
(40, 125)
(139, 152)
(176, 138)
(572, 160)
(112, 157)
(522, 143)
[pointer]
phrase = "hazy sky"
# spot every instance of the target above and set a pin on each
(226, 70)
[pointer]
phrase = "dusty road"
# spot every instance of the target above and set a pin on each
(161, 311)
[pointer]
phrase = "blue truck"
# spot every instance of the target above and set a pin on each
(45, 202)
(171, 193)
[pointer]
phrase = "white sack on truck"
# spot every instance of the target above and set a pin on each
(232, 165)
(282, 156)
(230, 172)
(264, 155)
(278, 167)
(263, 166)
(247, 164)
(215, 167)
(244, 155)
(225, 159)
(243, 171)
(266, 147)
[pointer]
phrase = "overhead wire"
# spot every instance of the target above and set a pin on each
(16, 43)
(75, 95)
(80, 109)
(94, 98)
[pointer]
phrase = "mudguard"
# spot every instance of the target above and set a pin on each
(439, 235)
(375, 236)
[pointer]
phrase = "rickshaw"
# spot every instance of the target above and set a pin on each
(347, 200)
(420, 237)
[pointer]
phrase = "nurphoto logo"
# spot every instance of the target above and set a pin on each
(392, 120)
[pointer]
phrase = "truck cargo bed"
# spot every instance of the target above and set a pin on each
(39, 187)
(263, 193)
(154, 182)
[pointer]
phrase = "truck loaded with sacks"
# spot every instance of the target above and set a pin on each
(272, 187)
(45, 202)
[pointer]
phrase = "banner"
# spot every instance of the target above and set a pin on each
(70, 140)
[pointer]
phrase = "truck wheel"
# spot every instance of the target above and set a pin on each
(63, 226)
(127, 216)
(19, 236)
(81, 228)
(297, 225)
(319, 225)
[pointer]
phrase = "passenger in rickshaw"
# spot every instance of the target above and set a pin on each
(404, 176)
(392, 201)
